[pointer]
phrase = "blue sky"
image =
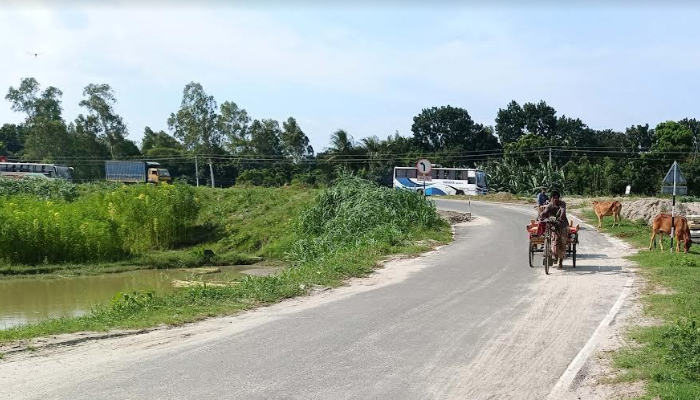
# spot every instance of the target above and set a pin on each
(367, 70)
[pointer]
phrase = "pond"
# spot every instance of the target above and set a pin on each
(24, 301)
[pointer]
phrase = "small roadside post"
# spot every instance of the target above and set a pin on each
(674, 183)
(424, 167)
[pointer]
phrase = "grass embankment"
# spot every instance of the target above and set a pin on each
(343, 232)
(668, 356)
(98, 229)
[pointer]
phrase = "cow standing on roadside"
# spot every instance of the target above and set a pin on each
(662, 224)
(606, 208)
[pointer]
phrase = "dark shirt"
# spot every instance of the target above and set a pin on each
(541, 199)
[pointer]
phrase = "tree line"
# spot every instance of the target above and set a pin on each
(528, 146)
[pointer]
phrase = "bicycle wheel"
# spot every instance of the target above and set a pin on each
(573, 254)
(547, 251)
(531, 253)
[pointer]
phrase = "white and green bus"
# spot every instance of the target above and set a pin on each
(442, 181)
(18, 170)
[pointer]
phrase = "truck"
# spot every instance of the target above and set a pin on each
(136, 172)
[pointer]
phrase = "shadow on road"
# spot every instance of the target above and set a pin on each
(594, 269)
(589, 256)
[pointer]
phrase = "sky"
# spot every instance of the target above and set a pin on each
(366, 69)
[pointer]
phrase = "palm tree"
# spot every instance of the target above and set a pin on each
(341, 142)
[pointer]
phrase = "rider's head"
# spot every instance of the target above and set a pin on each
(544, 190)
(556, 196)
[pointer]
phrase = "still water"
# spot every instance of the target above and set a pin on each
(25, 301)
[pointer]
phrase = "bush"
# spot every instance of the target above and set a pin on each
(97, 227)
(355, 212)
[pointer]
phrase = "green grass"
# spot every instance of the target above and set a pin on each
(667, 357)
(164, 259)
(240, 225)
(325, 236)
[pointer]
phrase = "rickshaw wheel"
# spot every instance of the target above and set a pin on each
(573, 254)
(531, 253)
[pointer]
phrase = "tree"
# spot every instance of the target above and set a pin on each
(530, 148)
(341, 142)
(541, 119)
(295, 143)
(672, 137)
(160, 139)
(196, 123)
(11, 139)
(99, 102)
(574, 133)
(86, 143)
(694, 126)
(46, 133)
(451, 128)
(234, 124)
(265, 138)
(510, 123)
(640, 137)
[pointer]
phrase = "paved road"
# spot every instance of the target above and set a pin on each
(472, 321)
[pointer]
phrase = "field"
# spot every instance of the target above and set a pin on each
(323, 237)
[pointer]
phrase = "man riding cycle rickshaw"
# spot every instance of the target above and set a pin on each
(560, 227)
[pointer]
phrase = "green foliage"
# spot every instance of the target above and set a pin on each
(97, 227)
(339, 218)
(683, 343)
(672, 136)
(509, 176)
(49, 189)
(442, 128)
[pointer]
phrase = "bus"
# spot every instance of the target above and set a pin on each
(442, 181)
(18, 170)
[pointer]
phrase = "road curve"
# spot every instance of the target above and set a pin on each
(472, 321)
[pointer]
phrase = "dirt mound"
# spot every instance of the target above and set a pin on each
(647, 209)
(454, 217)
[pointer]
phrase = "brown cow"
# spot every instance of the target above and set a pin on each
(605, 208)
(662, 224)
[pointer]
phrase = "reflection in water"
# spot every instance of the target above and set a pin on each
(25, 301)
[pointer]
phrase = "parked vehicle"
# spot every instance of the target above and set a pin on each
(136, 172)
(17, 170)
(694, 225)
(442, 181)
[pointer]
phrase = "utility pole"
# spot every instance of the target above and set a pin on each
(550, 155)
(673, 205)
(196, 170)
(211, 173)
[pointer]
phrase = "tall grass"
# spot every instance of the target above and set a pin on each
(355, 212)
(49, 189)
(102, 226)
